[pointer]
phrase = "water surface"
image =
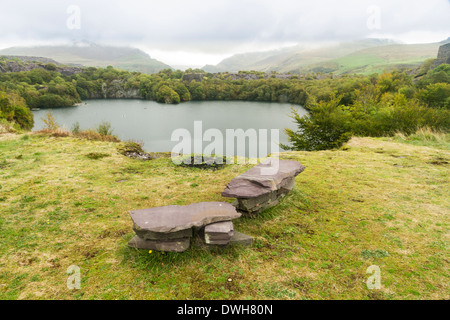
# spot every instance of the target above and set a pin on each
(153, 123)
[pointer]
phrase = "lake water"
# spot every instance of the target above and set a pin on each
(154, 123)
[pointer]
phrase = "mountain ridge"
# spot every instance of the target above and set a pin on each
(361, 56)
(93, 55)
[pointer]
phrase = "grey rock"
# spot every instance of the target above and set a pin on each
(24, 63)
(264, 185)
(258, 181)
(265, 201)
(172, 245)
(443, 55)
(219, 233)
(193, 77)
(175, 218)
(149, 235)
(237, 239)
(219, 228)
(242, 239)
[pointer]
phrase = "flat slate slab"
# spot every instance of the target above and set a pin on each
(172, 245)
(160, 222)
(263, 178)
(219, 232)
(150, 235)
(237, 239)
(242, 239)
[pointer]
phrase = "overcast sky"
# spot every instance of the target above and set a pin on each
(197, 32)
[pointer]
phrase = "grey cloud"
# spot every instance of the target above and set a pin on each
(213, 25)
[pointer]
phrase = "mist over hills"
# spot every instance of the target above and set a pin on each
(363, 56)
(93, 55)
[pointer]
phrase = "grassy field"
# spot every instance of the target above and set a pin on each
(382, 202)
(379, 59)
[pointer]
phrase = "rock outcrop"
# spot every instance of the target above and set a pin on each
(193, 77)
(443, 55)
(22, 63)
(116, 90)
(262, 186)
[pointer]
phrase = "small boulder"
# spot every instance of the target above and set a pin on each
(219, 233)
(266, 177)
(262, 186)
(242, 239)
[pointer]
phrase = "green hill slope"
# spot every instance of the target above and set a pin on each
(364, 56)
(379, 203)
(378, 59)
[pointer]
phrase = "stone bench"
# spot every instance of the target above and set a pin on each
(170, 228)
(262, 186)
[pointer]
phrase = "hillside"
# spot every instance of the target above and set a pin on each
(93, 55)
(378, 202)
(378, 59)
(28, 63)
(365, 57)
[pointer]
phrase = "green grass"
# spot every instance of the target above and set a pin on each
(379, 59)
(380, 202)
(426, 137)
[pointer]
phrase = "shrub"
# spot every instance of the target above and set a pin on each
(23, 117)
(13, 109)
(50, 122)
(97, 155)
(130, 147)
(134, 149)
(104, 129)
(93, 135)
(167, 95)
(75, 128)
(327, 127)
(60, 133)
(6, 127)
(436, 95)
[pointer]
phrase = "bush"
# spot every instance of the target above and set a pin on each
(167, 95)
(52, 101)
(23, 117)
(327, 127)
(93, 135)
(13, 109)
(75, 128)
(104, 129)
(6, 127)
(129, 147)
(50, 122)
(97, 155)
(436, 95)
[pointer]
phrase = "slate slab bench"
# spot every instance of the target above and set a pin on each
(170, 228)
(262, 186)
